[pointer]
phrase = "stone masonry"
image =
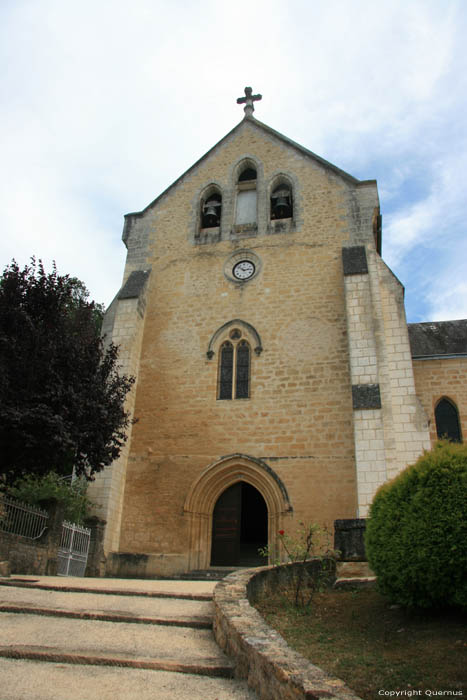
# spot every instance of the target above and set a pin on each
(334, 409)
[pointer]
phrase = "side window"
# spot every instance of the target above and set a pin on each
(242, 380)
(226, 359)
(281, 203)
(246, 197)
(447, 421)
(234, 368)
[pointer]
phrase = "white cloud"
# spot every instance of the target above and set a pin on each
(105, 104)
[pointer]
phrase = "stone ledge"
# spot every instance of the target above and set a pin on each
(261, 655)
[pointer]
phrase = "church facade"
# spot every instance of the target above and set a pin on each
(277, 381)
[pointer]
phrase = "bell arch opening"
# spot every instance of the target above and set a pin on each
(239, 527)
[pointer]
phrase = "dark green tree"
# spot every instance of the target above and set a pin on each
(61, 396)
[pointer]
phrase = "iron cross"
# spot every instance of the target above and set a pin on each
(248, 101)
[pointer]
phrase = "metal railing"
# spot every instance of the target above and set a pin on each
(20, 519)
(72, 555)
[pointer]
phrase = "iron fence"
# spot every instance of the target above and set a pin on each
(20, 519)
(72, 554)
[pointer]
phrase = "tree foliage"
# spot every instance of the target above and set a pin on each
(416, 533)
(38, 490)
(61, 396)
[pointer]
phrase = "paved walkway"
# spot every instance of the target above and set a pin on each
(111, 639)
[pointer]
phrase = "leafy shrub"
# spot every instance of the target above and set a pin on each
(34, 489)
(416, 535)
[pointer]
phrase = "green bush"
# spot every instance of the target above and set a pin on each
(416, 534)
(35, 490)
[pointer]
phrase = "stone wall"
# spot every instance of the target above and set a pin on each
(438, 378)
(298, 418)
(329, 337)
(25, 556)
(261, 654)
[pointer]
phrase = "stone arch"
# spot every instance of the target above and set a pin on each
(243, 163)
(223, 329)
(212, 482)
(280, 178)
(208, 191)
(280, 182)
(210, 233)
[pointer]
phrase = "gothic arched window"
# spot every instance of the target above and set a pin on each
(234, 368)
(242, 380)
(226, 367)
(211, 210)
(246, 197)
(281, 203)
(247, 174)
(447, 421)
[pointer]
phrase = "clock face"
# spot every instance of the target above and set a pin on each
(243, 270)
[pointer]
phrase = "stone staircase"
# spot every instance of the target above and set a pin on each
(87, 639)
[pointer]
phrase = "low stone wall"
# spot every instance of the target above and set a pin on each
(129, 565)
(262, 656)
(23, 555)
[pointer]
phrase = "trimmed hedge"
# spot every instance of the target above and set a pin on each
(416, 534)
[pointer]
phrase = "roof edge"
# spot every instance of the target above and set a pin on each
(450, 356)
(277, 134)
(302, 149)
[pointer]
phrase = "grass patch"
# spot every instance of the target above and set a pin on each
(373, 646)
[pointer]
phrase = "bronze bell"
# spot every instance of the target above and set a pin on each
(281, 209)
(211, 214)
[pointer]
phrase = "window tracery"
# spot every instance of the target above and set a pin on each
(234, 367)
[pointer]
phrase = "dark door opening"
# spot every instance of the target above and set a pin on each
(239, 527)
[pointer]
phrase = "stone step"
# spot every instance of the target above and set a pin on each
(112, 639)
(179, 612)
(52, 681)
(195, 623)
(213, 574)
(95, 642)
(187, 590)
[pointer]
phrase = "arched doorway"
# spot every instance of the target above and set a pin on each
(212, 483)
(239, 527)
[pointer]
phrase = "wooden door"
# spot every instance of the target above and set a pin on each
(226, 525)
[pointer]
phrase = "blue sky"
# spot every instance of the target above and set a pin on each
(105, 103)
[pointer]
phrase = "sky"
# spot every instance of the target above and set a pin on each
(105, 103)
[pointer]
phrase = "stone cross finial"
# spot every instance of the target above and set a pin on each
(248, 101)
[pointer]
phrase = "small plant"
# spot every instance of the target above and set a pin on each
(313, 570)
(35, 490)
